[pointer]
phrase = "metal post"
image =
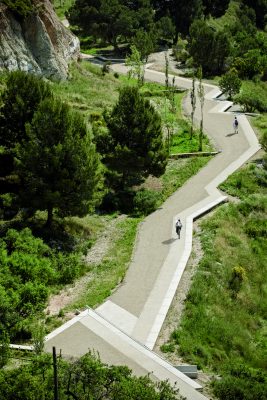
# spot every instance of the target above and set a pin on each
(55, 374)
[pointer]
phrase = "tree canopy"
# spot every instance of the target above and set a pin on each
(110, 19)
(133, 145)
(86, 378)
(52, 159)
(58, 164)
(21, 97)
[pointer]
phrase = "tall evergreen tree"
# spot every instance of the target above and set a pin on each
(20, 98)
(58, 165)
(133, 146)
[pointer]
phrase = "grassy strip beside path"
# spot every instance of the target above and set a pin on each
(224, 326)
(111, 271)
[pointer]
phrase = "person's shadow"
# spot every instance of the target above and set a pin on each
(231, 134)
(169, 241)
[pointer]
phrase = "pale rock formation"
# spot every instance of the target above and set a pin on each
(39, 43)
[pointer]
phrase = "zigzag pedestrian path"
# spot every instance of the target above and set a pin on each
(126, 326)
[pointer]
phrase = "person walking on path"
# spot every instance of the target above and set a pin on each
(235, 125)
(178, 227)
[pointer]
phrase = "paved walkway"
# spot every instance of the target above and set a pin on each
(126, 326)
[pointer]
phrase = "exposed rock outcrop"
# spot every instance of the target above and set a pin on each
(38, 43)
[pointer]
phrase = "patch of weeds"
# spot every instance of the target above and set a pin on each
(167, 348)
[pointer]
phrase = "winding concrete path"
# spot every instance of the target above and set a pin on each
(124, 329)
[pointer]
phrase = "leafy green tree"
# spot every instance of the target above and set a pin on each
(230, 83)
(133, 145)
(111, 20)
(182, 13)
(58, 165)
(263, 140)
(86, 378)
(208, 48)
(28, 270)
(252, 63)
(116, 20)
(136, 65)
(165, 28)
(144, 42)
(220, 51)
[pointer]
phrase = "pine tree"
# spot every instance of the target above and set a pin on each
(58, 165)
(20, 98)
(133, 147)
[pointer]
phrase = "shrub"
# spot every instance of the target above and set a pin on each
(237, 278)
(230, 83)
(253, 97)
(69, 267)
(241, 383)
(256, 227)
(106, 67)
(146, 201)
(167, 348)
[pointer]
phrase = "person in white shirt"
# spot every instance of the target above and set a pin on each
(178, 227)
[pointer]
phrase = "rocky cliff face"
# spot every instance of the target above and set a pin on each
(38, 43)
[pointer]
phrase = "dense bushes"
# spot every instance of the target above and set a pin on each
(29, 268)
(86, 378)
(241, 382)
(146, 201)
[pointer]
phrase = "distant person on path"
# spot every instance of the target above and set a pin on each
(235, 125)
(178, 227)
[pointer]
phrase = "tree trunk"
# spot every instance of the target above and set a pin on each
(49, 217)
(200, 135)
(191, 130)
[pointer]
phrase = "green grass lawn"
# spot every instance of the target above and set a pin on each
(87, 90)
